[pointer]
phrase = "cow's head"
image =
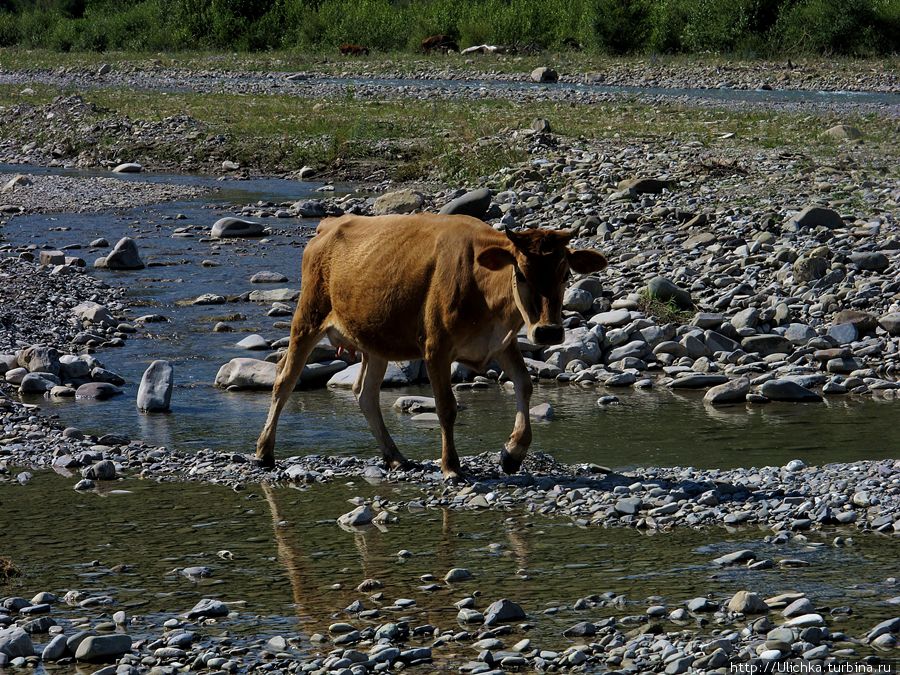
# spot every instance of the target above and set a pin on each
(541, 261)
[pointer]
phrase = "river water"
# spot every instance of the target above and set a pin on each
(648, 428)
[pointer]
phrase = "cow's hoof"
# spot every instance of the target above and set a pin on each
(455, 477)
(265, 462)
(508, 463)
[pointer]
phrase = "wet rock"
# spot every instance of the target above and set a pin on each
(733, 391)
(233, 228)
(582, 629)
(99, 391)
(100, 648)
(55, 649)
(207, 608)
(124, 256)
(787, 390)
(745, 602)
(102, 470)
(501, 611)
(457, 574)
(15, 642)
(541, 412)
(155, 391)
(361, 515)
(127, 167)
(268, 278)
(253, 342)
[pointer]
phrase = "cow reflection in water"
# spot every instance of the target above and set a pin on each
(377, 560)
(439, 288)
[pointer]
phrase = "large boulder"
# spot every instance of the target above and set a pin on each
(103, 648)
(474, 203)
(815, 216)
(40, 359)
(644, 185)
(15, 642)
(787, 390)
(124, 256)
(254, 374)
(92, 313)
(38, 383)
(401, 201)
(665, 290)
(544, 74)
(233, 228)
(155, 392)
(97, 391)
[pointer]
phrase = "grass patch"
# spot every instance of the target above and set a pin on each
(663, 312)
(409, 139)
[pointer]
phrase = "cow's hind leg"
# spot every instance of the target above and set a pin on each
(303, 339)
(367, 388)
(512, 456)
(445, 401)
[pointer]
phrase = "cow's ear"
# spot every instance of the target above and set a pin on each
(495, 258)
(585, 260)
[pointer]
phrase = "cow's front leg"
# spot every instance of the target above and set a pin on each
(445, 402)
(512, 456)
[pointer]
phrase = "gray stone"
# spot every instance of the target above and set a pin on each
(254, 342)
(732, 391)
(233, 228)
(155, 391)
(746, 602)
(809, 268)
(697, 381)
(37, 383)
(503, 610)
(797, 608)
(207, 608)
(786, 390)
(766, 345)
(843, 333)
(873, 261)
(124, 256)
(544, 75)
(255, 374)
(102, 470)
(401, 201)
(268, 278)
(891, 323)
(103, 647)
(475, 203)
(665, 290)
(457, 574)
(361, 515)
(643, 185)
(55, 649)
(844, 132)
(15, 642)
(816, 216)
(99, 391)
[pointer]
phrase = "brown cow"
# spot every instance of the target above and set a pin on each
(353, 50)
(444, 43)
(441, 288)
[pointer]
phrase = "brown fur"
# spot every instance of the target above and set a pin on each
(440, 288)
(443, 43)
(353, 50)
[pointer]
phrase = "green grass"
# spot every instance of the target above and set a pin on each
(410, 139)
(663, 312)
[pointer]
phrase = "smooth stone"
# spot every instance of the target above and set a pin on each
(231, 228)
(103, 647)
(786, 390)
(155, 391)
(475, 203)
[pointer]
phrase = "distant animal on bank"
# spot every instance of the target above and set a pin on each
(353, 50)
(572, 43)
(443, 43)
(434, 287)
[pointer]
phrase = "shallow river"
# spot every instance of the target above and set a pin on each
(649, 428)
(288, 555)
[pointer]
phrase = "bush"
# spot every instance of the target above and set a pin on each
(827, 27)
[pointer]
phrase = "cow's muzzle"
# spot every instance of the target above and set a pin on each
(549, 334)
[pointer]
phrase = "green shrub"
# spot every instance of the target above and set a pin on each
(828, 27)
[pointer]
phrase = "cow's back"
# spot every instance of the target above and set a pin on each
(389, 279)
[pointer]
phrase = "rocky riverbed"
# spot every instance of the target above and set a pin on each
(768, 278)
